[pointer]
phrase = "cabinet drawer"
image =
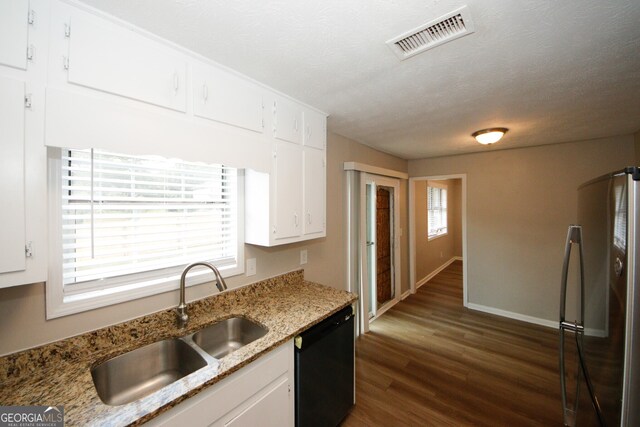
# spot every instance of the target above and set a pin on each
(117, 60)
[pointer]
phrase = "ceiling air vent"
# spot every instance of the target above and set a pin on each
(444, 29)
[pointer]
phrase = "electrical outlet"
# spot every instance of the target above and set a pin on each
(251, 267)
(303, 256)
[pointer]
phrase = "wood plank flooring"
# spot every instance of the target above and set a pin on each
(429, 361)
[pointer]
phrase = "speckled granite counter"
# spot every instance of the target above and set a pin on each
(59, 373)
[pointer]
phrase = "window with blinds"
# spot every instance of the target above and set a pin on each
(125, 215)
(436, 211)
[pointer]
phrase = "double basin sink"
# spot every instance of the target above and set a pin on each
(138, 373)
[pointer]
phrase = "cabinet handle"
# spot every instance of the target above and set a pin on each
(295, 219)
(295, 125)
(309, 218)
(176, 82)
(205, 92)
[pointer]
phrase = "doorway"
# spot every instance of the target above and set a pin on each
(381, 224)
(438, 227)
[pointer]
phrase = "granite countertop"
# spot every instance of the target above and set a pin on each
(59, 373)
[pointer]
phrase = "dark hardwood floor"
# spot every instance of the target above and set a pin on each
(430, 361)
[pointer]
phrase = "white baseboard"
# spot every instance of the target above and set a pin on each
(512, 315)
(405, 295)
(457, 258)
(600, 333)
(387, 306)
(436, 271)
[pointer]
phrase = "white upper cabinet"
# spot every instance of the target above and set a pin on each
(12, 185)
(315, 129)
(224, 97)
(114, 59)
(287, 120)
(288, 190)
(315, 178)
(14, 31)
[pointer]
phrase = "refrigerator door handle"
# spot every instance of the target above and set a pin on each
(574, 235)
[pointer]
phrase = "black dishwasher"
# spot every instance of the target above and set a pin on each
(324, 374)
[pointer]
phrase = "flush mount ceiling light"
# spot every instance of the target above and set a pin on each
(489, 136)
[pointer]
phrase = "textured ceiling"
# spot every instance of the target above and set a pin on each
(551, 71)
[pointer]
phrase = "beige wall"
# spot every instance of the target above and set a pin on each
(519, 204)
(23, 307)
(431, 254)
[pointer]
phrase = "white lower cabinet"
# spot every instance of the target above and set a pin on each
(266, 410)
(261, 393)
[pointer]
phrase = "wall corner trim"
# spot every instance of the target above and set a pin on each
(362, 167)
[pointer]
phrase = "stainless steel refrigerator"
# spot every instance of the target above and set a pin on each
(599, 313)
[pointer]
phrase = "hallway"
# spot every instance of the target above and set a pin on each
(430, 361)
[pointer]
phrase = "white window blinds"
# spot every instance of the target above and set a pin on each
(125, 214)
(436, 211)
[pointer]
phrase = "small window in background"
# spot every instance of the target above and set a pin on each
(436, 212)
(131, 222)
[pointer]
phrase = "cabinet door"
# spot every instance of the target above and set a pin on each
(288, 190)
(269, 410)
(314, 191)
(287, 120)
(315, 129)
(221, 96)
(114, 59)
(12, 216)
(14, 33)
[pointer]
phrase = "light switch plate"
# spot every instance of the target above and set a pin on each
(251, 267)
(303, 256)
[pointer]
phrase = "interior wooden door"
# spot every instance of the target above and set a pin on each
(379, 246)
(383, 246)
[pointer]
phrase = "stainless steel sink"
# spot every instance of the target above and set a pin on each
(140, 372)
(228, 335)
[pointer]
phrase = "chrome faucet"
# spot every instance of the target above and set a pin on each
(181, 311)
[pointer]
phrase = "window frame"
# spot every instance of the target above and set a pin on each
(440, 187)
(104, 292)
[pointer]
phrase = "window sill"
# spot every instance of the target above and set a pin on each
(436, 236)
(61, 304)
